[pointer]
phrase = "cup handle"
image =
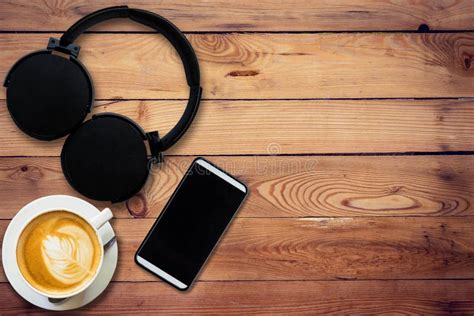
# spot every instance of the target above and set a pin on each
(103, 217)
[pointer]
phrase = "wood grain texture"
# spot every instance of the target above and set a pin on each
(322, 249)
(272, 66)
(248, 15)
(311, 248)
(286, 127)
(281, 186)
(318, 234)
(275, 298)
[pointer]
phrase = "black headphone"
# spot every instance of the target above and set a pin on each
(50, 94)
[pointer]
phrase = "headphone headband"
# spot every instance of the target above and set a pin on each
(173, 35)
(49, 96)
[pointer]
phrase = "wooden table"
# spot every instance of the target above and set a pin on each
(353, 131)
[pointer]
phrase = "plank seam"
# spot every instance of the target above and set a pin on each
(303, 280)
(364, 217)
(252, 32)
(458, 98)
(355, 154)
(461, 98)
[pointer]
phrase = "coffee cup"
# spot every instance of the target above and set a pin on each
(60, 252)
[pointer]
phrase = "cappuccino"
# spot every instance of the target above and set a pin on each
(58, 252)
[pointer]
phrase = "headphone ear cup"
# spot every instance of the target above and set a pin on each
(48, 95)
(106, 158)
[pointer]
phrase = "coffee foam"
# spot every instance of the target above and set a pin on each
(68, 255)
(58, 252)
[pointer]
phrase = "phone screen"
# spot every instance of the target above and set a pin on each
(192, 222)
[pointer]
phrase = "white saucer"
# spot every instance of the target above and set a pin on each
(9, 254)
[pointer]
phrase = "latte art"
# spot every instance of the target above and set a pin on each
(58, 252)
(68, 256)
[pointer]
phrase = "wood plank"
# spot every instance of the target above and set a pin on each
(272, 66)
(322, 249)
(286, 127)
(275, 298)
(281, 186)
(248, 15)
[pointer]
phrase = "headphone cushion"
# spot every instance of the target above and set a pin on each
(48, 95)
(106, 159)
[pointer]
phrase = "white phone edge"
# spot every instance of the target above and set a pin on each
(161, 273)
(221, 174)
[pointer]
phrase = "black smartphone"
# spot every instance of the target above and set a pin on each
(191, 224)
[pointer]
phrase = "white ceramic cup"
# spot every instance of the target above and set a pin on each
(95, 223)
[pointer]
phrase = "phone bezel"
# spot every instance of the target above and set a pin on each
(163, 275)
